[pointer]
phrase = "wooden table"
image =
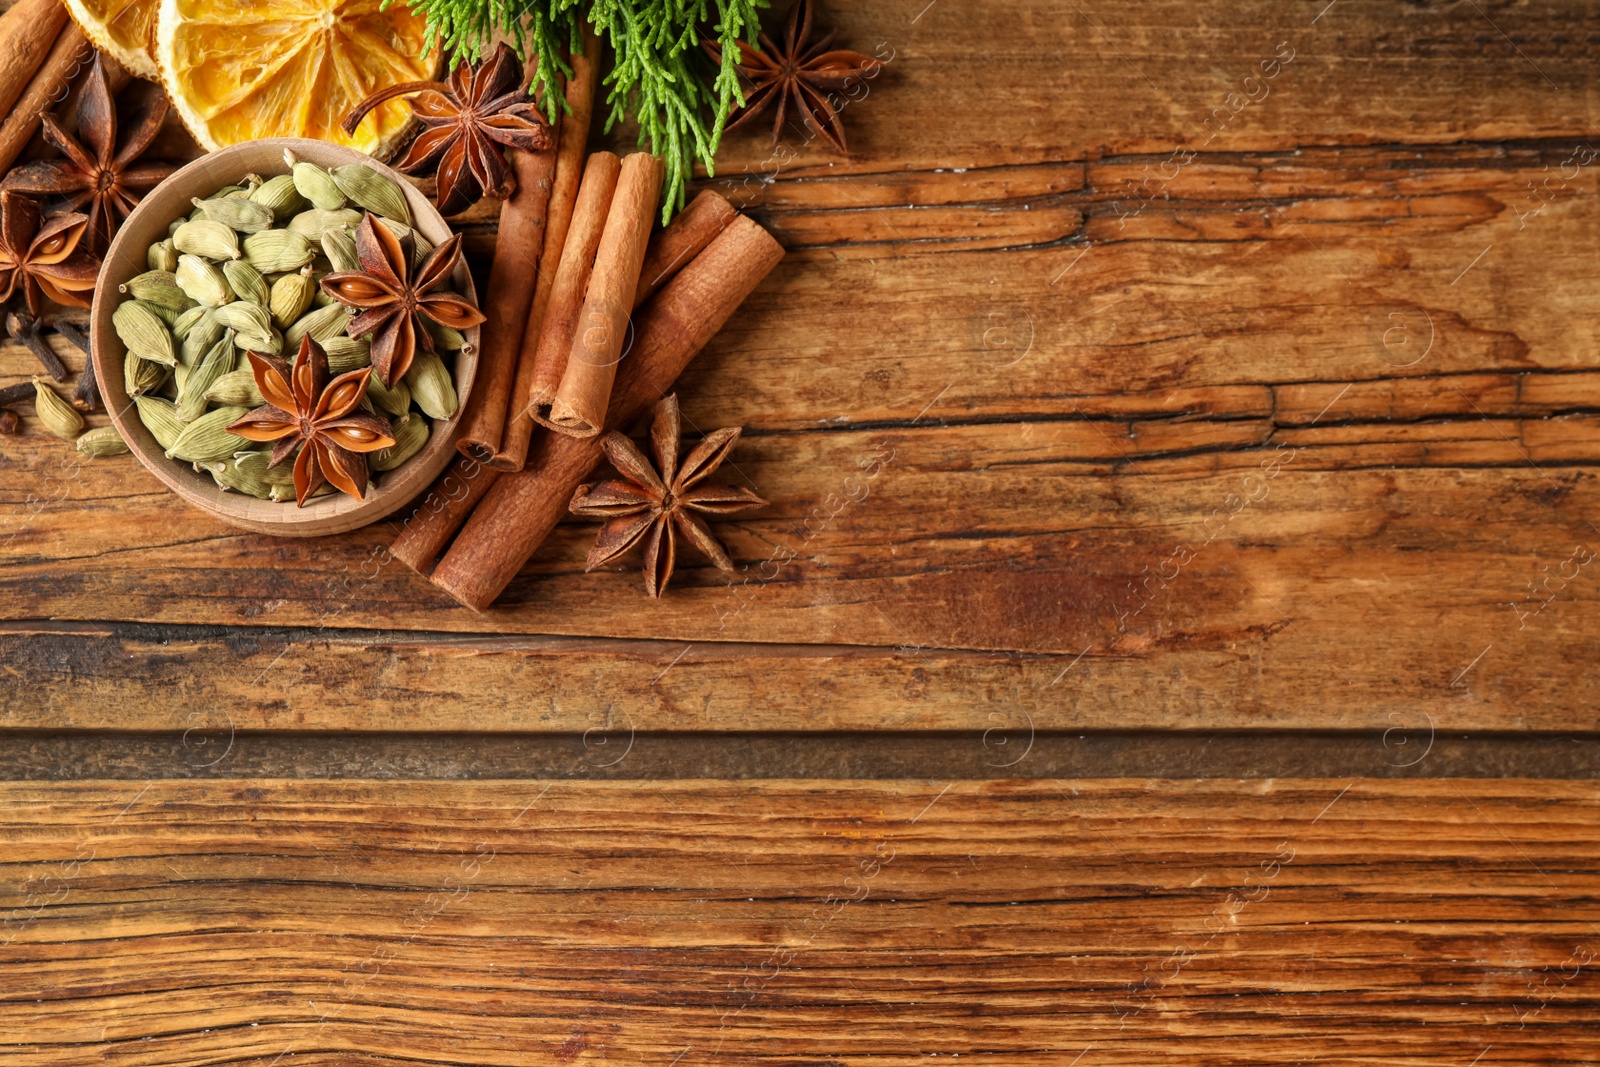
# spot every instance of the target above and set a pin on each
(1172, 637)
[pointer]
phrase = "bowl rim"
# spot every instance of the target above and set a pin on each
(126, 258)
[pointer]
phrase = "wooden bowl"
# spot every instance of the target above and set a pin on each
(331, 514)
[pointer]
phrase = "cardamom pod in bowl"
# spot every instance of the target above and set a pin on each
(242, 280)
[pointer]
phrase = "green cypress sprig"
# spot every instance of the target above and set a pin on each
(680, 118)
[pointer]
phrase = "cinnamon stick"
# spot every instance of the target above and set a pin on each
(440, 513)
(570, 152)
(521, 509)
(49, 87)
(516, 262)
(579, 407)
(560, 320)
(26, 33)
(445, 507)
(670, 250)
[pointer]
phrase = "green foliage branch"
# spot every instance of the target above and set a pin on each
(654, 79)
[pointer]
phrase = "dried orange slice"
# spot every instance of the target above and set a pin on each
(123, 29)
(288, 68)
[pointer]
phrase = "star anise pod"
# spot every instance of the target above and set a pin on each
(800, 75)
(393, 299)
(97, 175)
(654, 507)
(464, 122)
(305, 410)
(42, 257)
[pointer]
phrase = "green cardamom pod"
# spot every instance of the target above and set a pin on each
(206, 239)
(163, 255)
(346, 354)
(253, 469)
(237, 388)
(245, 216)
(371, 190)
(140, 376)
(313, 224)
(200, 337)
(291, 297)
(232, 474)
(339, 245)
(243, 317)
(102, 441)
(160, 417)
(58, 416)
(143, 333)
(319, 325)
(246, 281)
(271, 251)
(167, 316)
(193, 389)
(410, 434)
(445, 338)
(432, 388)
(262, 344)
(207, 438)
(158, 287)
(188, 320)
(395, 400)
(279, 196)
(314, 183)
(202, 281)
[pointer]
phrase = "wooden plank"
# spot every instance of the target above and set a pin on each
(1061, 355)
(966, 85)
(1029, 922)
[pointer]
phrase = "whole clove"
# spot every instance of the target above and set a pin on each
(23, 327)
(21, 393)
(10, 422)
(75, 334)
(86, 396)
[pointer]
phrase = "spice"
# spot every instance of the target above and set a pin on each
(410, 434)
(27, 31)
(799, 75)
(571, 144)
(394, 300)
(97, 175)
(208, 437)
(58, 416)
(41, 257)
(518, 512)
(10, 422)
(651, 506)
(86, 394)
(560, 320)
(102, 441)
(24, 327)
(580, 402)
(464, 123)
(654, 74)
(366, 188)
(513, 278)
(70, 54)
(239, 294)
(305, 411)
(683, 238)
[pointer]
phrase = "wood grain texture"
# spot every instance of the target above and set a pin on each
(1283, 416)
(1124, 921)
